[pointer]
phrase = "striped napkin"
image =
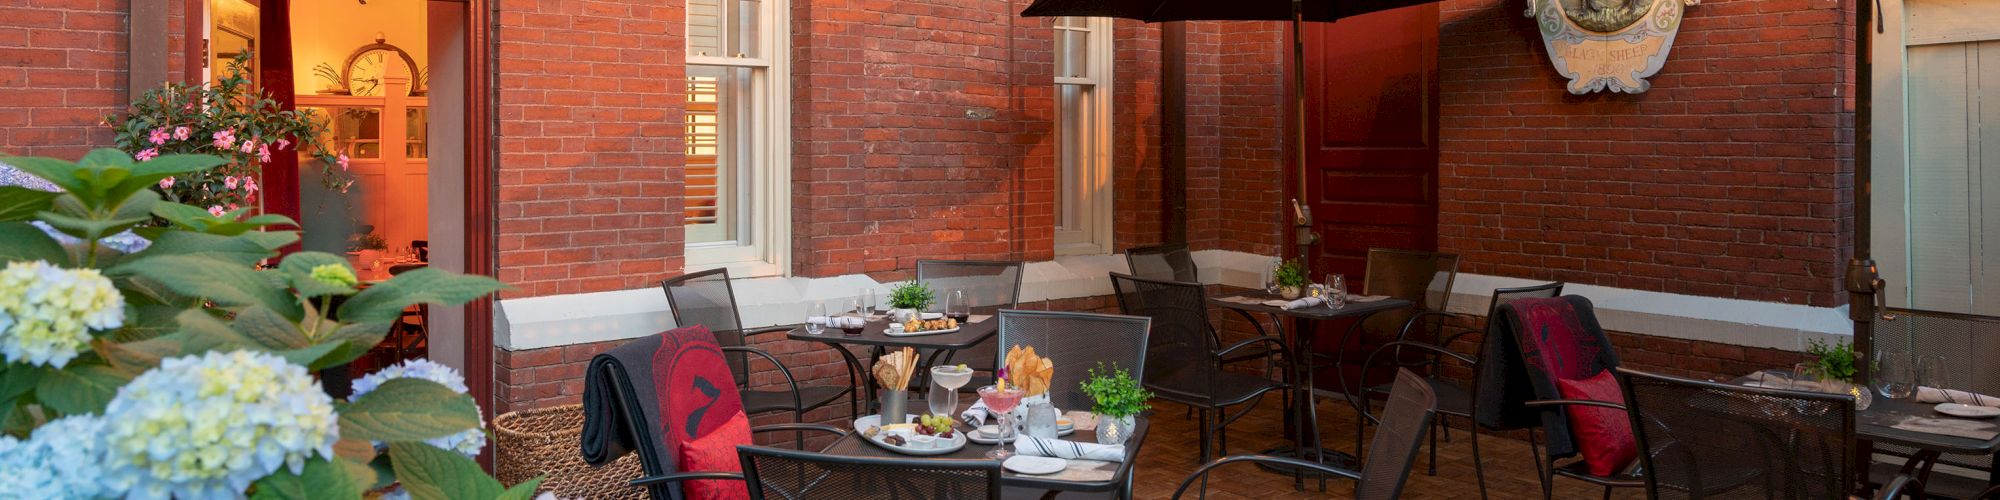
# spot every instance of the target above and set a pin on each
(1039, 447)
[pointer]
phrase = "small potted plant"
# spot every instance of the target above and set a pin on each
(1117, 402)
(1291, 277)
(1834, 364)
(908, 299)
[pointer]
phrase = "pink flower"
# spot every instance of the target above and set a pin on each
(232, 207)
(343, 163)
(167, 183)
(158, 137)
(248, 146)
(148, 154)
(216, 210)
(264, 153)
(229, 182)
(249, 185)
(182, 133)
(282, 144)
(343, 187)
(225, 139)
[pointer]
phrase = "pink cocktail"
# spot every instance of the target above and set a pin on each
(1001, 403)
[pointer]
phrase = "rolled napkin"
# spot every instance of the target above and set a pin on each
(1304, 302)
(817, 320)
(1038, 447)
(1365, 298)
(1936, 395)
(976, 414)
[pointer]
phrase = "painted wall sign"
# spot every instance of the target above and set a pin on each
(1608, 44)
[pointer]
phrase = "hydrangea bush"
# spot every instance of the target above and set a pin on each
(183, 369)
(229, 118)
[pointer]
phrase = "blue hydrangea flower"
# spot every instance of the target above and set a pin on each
(62, 459)
(47, 312)
(468, 442)
(207, 426)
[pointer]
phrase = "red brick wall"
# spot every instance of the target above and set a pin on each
(62, 68)
(1730, 178)
(590, 107)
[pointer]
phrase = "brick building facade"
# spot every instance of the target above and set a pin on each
(922, 129)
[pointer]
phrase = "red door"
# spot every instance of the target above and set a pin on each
(1371, 136)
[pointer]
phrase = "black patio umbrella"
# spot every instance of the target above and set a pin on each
(1296, 11)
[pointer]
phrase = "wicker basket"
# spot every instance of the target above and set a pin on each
(547, 441)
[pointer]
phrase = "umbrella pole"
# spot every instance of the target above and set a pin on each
(1302, 232)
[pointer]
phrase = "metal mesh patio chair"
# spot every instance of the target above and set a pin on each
(1076, 342)
(706, 298)
(1169, 262)
(1953, 337)
(1423, 278)
(1701, 440)
(1398, 438)
(1186, 358)
(989, 286)
(1454, 400)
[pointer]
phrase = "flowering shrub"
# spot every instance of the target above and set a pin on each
(230, 119)
(207, 426)
(467, 442)
(47, 312)
(183, 370)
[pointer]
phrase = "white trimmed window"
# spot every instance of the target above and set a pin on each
(738, 140)
(1083, 135)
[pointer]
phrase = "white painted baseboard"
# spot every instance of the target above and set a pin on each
(540, 322)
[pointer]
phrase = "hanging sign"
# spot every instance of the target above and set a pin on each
(1609, 45)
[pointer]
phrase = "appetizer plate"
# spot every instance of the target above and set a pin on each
(907, 333)
(1968, 411)
(939, 447)
(1035, 465)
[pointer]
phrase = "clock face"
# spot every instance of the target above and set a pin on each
(365, 71)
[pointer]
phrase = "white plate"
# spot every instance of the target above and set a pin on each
(1968, 411)
(942, 446)
(913, 334)
(980, 437)
(1035, 465)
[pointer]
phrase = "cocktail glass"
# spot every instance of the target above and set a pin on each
(945, 381)
(1001, 403)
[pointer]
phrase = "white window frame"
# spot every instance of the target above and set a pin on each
(766, 189)
(1095, 173)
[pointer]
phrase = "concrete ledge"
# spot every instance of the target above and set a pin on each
(540, 322)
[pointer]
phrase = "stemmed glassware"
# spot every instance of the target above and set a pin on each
(1931, 372)
(945, 381)
(1895, 375)
(1001, 402)
(957, 307)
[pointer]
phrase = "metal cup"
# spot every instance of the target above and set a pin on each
(893, 406)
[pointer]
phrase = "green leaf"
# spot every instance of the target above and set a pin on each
(18, 379)
(272, 240)
(319, 479)
(355, 340)
(298, 269)
(239, 250)
(431, 473)
(137, 357)
(407, 409)
(363, 476)
(523, 491)
(308, 356)
(146, 321)
(145, 174)
(202, 326)
(79, 388)
(385, 301)
(269, 330)
(228, 284)
(19, 203)
(21, 242)
(58, 172)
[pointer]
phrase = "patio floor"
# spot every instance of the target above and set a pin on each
(1174, 441)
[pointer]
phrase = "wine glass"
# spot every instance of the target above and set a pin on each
(1895, 376)
(865, 301)
(957, 307)
(1932, 373)
(1271, 279)
(816, 321)
(1001, 402)
(945, 381)
(1336, 291)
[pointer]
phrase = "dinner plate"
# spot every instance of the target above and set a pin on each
(914, 334)
(980, 437)
(942, 446)
(1967, 411)
(1035, 465)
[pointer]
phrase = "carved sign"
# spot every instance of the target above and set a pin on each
(1608, 44)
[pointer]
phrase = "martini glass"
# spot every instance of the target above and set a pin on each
(1002, 403)
(945, 381)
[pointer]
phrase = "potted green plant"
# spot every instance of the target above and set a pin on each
(1117, 401)
(909, 299)
(1835, 365)
(1291, 277)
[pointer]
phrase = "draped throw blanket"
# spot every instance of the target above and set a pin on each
(1531, 343)
(619, 408)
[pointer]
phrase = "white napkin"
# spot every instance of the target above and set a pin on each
(1038, 447)
(976, 414)
(816, 320)
(1304, 302)
(1935, 395)
(1365, 298)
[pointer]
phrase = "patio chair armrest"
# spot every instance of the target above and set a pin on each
(752, 332)
(1549, 403)
(1292, 462)
(1448, 341)
(1405, 332)
(1904, 485)
(1250, 341)
(787, 372)
(799, 427)
(684, 476)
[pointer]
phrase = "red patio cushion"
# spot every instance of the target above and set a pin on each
(716, 452)
(700, 413)
(1603, 435)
